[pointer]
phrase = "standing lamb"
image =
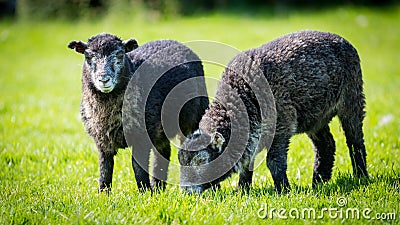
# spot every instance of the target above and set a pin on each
(108, 68)
(313, 76)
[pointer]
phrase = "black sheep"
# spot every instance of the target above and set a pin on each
(313, 76)
(109, 66)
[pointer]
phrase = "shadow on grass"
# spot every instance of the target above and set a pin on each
(344, 184)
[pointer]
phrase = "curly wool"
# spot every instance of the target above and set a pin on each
(102, 112)
(313, 77)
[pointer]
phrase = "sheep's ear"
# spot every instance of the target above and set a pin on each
(217, 140)
(79, 46)
(130, 45)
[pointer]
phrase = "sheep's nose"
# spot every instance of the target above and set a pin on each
(104, 79)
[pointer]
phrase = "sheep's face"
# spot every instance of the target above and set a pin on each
(105, 59)
(198, 150)
(105, 70)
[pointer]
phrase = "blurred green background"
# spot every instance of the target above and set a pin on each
(78, 9)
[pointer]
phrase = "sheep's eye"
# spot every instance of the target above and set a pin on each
(89, 62)
(88, 57)
(120, 55)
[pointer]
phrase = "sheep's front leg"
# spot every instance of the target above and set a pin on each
(277, 163)
(245, 174)
(161, 159)
(245, 179)
(106, 163)
(140, 165)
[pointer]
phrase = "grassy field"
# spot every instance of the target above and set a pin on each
(48, 165)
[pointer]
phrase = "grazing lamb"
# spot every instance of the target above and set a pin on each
(313, 77)
(108, 68)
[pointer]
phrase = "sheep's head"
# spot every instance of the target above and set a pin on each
(105, 59)
(198, 150)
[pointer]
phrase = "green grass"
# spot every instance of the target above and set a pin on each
(48, 165)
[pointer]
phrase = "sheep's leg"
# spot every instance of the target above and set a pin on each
(355, 142)
(245, 179)
(161, 159)
(351, 116)
(324, 152)
(106, 163)
(277, 163)
(245, 174)
(140, 164)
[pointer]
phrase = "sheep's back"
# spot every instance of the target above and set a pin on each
(307, 72)
(160, 66)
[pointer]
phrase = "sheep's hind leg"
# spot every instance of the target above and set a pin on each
(324, 152)
(106, 164)
(351, 115)
(355, 142)
(161, 160)
(277, 164)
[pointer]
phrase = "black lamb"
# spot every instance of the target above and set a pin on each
(109, 65)
(313, 76)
